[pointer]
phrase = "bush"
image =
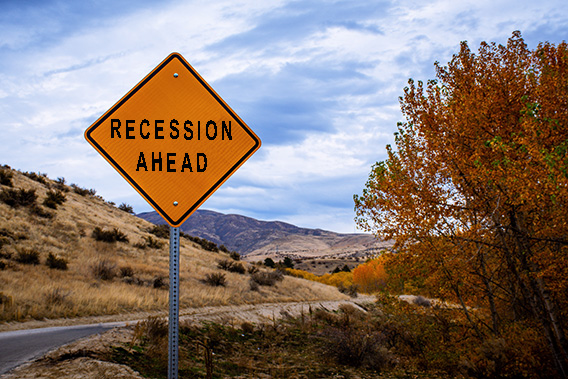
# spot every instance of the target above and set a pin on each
(422, 301)
(265, 278)
(215, 279)
(234, 255)
(253, 286)
(126, 208)
(268, 262)
(39, 177)
(159, 282)
(104, 269)
(54, 198)
(40, 212)
(60, 185)
(28, 257)
(348, 290)
(6, 300)
(151, 330)
(56, 262)
(153, 243)
(6, 177)
(288, 263)
(83, 191)
(110, 236)
(231, 266)
(357, 346)
(205, 244)
(160, 231)
(126, 271)
(56, 296)
(150, 242)
(18, 198)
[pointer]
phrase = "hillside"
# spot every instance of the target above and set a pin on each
(39, 238)
(257, 239)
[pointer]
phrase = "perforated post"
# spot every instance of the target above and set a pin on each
(173, 339)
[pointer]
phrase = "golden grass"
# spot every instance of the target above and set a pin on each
(38, 292)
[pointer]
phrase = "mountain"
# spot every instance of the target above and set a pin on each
(256, 239)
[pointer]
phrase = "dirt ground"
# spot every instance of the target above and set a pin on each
(81, 359)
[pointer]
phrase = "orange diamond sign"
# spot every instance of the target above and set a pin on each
(173, 139)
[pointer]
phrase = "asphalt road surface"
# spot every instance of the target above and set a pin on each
(21, 346)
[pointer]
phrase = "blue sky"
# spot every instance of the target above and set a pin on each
(318, 81)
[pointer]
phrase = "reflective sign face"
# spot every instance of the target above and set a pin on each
(173, 139)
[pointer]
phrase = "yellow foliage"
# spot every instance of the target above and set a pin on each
(337, 279)
(371, 276)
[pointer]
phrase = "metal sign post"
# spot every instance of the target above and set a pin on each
(173, 338)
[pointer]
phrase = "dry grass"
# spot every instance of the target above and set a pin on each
(39, 292)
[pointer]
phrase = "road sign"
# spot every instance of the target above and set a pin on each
(173, 139)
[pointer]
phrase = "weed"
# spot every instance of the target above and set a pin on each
(6, 300)
(28, 257)
(151, 330)
(103, 269)
(18, 197)
(215, 279)
(56, 262)
(56, 296)
(110, 236)
(54, 198)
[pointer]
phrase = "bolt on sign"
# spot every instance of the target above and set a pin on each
(173, 139)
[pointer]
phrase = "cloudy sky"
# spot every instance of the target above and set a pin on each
(318, 82)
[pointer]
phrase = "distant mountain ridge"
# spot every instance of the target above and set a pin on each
(256, 238)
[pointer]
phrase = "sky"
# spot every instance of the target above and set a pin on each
(317, 81)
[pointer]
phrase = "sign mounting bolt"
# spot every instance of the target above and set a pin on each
(176, 75)
(175, 203)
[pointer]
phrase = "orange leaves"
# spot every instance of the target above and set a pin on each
(371, 276)
(339, 279)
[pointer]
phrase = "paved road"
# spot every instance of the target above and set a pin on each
(20, 346)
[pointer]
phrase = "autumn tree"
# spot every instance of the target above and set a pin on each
(476, 188)
(371, 276)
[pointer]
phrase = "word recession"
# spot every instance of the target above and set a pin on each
(131, 129)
